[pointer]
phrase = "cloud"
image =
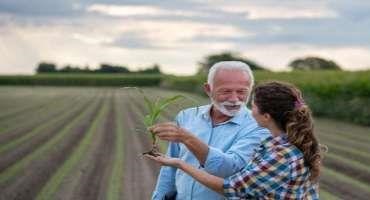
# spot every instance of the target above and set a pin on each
(278, 56)
(354, 11)
(177, 34)
(120, 10)
(269, 9)
(135, 40)
(88, 39)
(138, 10)
(166, 35)
(40, 8)
(256, 12)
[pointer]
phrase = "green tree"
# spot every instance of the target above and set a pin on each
(209, 60)
(71, 69)
(107, 68)
(313, 63)
(44, 67)
(155, 69)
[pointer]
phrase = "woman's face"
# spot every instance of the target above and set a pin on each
(260, 118)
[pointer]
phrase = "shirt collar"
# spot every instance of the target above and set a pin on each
(274, 141)
(237, 119)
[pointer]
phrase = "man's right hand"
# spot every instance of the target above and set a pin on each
(169, 131)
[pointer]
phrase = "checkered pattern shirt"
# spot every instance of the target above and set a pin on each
(277, 171)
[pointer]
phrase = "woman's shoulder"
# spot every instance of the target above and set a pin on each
(282, 147)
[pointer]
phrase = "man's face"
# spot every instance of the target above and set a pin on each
(230, 91)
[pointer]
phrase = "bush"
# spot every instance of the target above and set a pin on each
(83, 80)
(185, 83)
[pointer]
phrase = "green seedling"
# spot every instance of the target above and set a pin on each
(155, 109)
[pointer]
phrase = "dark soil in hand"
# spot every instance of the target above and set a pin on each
(154, 152)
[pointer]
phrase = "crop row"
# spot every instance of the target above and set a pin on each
(76, 143)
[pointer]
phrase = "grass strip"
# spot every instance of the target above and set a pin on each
(354, 164)
(342, 129)
(325, 195)
(41, 151)
(115, 183)
(43, 127)
(36, 117)
(34, 110)
(361, 146)
(53, 184)
(349, 152)
(341, 178)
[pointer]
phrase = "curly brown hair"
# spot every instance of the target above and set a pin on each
(284, 103)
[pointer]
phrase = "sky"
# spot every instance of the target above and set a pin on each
(177, 34)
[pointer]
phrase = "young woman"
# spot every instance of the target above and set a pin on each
(286, 165)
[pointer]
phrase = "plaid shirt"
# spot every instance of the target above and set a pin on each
(277, 171)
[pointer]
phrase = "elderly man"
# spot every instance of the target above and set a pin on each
(219, 138)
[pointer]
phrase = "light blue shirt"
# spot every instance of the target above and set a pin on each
(231, 146)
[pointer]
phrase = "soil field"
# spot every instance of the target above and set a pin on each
(85, 143)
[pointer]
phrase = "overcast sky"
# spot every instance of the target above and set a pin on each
(178, 34)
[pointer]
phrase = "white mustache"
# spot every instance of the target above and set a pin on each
(227, 103)
(221, 107)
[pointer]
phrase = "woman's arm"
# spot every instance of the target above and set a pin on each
(213, 182)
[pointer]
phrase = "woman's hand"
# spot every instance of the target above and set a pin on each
(165, 160)
(209, 180)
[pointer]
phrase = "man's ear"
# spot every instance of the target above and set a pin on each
(207, 89)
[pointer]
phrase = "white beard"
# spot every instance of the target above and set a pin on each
(221, 107)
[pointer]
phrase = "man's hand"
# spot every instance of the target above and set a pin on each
(170, 132)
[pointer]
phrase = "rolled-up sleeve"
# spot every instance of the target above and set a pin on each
(224, 164)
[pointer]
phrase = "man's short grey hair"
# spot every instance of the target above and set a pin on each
(230, 65)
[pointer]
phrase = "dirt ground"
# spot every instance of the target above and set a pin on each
(139, 173)
(89, 177)
(34, 176)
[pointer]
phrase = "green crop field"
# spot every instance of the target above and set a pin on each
(85, 143)
(341, 95)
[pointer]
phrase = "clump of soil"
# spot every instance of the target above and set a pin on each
(153, 152)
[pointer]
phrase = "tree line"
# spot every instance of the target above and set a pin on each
(48, 67)
(306, 63)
